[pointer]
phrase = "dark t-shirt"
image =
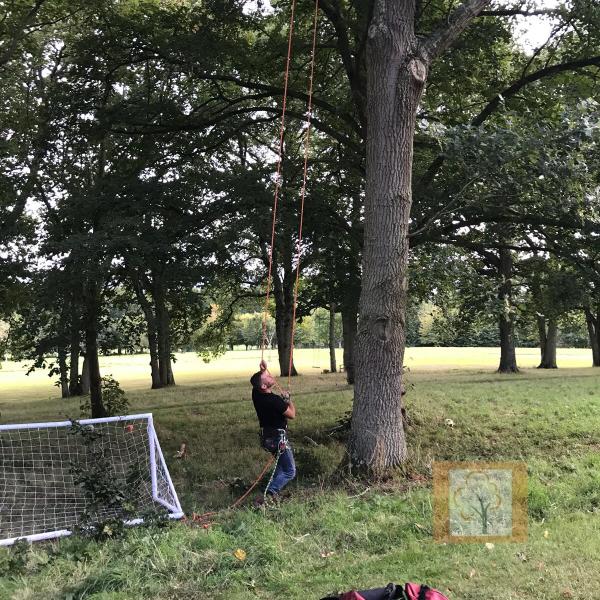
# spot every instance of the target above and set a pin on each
(269, 410)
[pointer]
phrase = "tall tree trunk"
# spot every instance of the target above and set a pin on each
(74, 380)
(396, 65)
(548, 339)
(85, 376)
(154, 362)
(332, 361)
(395, 82)
(283, 291)
(349, 323)
(91, 348)
(170, 376)
(508, 356)
(151, 327)
(64, 371)
(283, 328)
(593, 326)
(163, 326)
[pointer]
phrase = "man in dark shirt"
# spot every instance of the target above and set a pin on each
(273, 411)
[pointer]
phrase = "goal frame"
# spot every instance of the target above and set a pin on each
(156, 460)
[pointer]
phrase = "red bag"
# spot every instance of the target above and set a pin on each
(411, 591)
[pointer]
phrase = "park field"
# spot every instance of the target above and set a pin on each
(133, 372)
(334, 534)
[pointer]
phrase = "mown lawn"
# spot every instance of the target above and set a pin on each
(331, 536)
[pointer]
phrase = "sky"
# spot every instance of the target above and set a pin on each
(532, 32)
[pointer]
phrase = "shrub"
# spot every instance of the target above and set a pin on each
(113, 397)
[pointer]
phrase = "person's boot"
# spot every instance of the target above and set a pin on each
(268, 499)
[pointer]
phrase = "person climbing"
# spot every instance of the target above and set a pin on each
(273, 412)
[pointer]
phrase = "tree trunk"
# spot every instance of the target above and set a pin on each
(85, 376)
(283, 328)
(74, 381)
(64, 372)
(153, 346)
(593, 326)
(332, 361)
(91, 348)
(349, 322)
(395, 82)
(283, 291)
(98, 409)
(170, 376)
(151, 327)
(163, 326)
(548, 338)
(508, 356)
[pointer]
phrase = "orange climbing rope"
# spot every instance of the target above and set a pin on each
(303, 190)
(204, 519)
(278, 178)
(278, 183)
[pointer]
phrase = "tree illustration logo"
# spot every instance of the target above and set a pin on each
(480, 501)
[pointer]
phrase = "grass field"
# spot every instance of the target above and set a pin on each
(331, 536)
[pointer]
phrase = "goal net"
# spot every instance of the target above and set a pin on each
(48, 472)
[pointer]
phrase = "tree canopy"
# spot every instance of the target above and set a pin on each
(453, 184)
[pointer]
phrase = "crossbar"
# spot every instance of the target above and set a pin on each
(147, 416)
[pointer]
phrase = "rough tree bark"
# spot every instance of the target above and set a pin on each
(548, 332)
(593, 325)
(508, 356)
(397, 64)
(332, 361)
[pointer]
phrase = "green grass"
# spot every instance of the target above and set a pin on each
(330, 537)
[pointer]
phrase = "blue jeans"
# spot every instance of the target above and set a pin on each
(284, 473)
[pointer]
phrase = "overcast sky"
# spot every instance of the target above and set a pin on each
(532, 32)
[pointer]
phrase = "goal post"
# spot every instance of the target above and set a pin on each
(41, 492)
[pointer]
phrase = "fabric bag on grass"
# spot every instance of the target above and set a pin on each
(410, 591)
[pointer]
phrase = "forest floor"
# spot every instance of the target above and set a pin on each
(332, 536)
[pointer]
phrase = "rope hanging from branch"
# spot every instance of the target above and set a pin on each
(279, 180)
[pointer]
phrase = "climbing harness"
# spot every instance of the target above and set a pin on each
(276, 443)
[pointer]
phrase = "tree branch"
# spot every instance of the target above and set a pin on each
(332, 10)
(445, 35)
(510, 12)
(509, 92)
(275, 91)
(20, 33)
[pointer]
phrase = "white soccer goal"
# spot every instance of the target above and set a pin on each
(39, 496)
